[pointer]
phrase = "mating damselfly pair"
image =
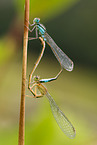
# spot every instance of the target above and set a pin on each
(36, 86)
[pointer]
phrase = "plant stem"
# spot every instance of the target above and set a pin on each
(24, 66)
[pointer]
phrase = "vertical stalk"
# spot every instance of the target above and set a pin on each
(24, 66)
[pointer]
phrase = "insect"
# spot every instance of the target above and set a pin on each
(39, 90)
(36, 86)
(62, 58)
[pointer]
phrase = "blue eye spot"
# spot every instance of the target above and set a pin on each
(36, 20)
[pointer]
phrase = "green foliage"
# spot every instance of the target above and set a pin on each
(7, 49)
(45, 9)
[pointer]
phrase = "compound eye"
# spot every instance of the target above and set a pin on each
(36, 20)
(36, 78)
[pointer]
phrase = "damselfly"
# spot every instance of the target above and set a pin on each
(62, 58)
(39, 90)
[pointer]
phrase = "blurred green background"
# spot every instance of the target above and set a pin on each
(73, 26)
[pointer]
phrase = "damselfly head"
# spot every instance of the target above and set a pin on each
(36, 20)
(36, 78)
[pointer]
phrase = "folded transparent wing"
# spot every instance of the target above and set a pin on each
(61, 119)
(63, 59)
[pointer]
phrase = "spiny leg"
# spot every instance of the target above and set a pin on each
(30, 23)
